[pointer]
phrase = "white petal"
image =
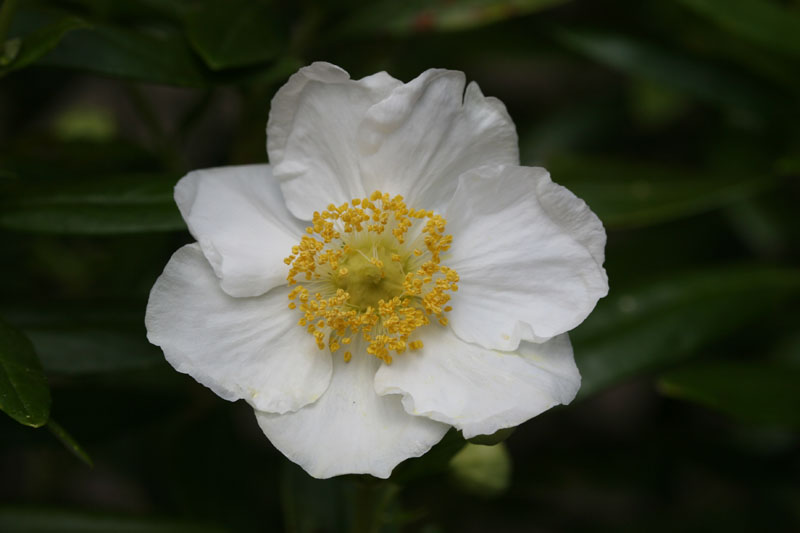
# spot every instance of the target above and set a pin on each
(239, 219)
(476, 390)
(351, 430)
(241, 348)
(311, 135)
(428, 132)
(528, 253)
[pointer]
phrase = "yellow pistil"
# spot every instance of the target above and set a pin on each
(354, 273)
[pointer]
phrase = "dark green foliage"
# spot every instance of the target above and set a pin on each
(677, 122)
(24, 394)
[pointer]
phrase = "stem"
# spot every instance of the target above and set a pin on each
(372, 498)
(6, 14)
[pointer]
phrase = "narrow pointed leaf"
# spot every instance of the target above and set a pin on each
(759, 21)
(116, 205)
(401, 18)
(69, 442)
(662, 323)
(689, 74)
(753, 392)
(628, 194)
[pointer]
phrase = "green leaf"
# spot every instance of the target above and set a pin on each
(664, 322)
(69, 442)
(158, 56)
(24, 394)
(46, 520)
(495, 438)
(759, 21)
(628, 194)
(434, 462)
(116, 205)
(234, 33)
(401, 18)
(38, 42)
(685, 73)
(753, 392)
(95, 338)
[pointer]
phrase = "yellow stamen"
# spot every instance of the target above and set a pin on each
(366, 279)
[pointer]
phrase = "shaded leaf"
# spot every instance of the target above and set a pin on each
(38, 42)
(664, 322)
(495, 438)
(24, 394)
(566, 129)
(121, 204)
(161, 56)
(754, 392)
(434, 462)
(234, 33)
(759, 21)
(44, 520)
(69, 442)
(74, 340)
(401, 18)
(691, 75)
(630, 194)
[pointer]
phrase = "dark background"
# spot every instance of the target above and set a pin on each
(677, 122)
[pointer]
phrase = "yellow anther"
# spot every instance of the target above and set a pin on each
(362, 285)
(347, 357)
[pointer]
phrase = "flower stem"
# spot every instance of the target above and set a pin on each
(6, 14)
(372, 498)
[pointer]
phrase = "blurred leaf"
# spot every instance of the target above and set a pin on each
(95, 338)
(24, 394)
(434, 462)
(667, 321)
(629, 194)
(44, 520)
(495, 438)
(34, 157)
(414, 16)
(311, 505)
(754, 392)
(234, 33)
(68, 441)
(693, 76)
(762, 22)
(9, 51)
(38, 42)
(654, 106)
(122, 204)
(161, 56)
(565, 129)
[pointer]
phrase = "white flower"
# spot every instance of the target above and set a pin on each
(462, 291)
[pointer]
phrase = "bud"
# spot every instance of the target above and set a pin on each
(482, 470)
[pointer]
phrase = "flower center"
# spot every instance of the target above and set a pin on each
(371, 267)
